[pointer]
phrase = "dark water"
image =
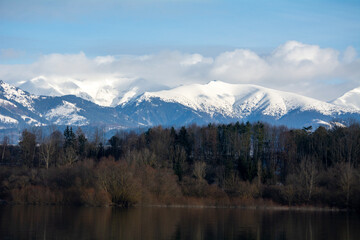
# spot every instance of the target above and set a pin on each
(39, 222)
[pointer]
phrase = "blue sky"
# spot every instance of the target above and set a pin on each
(31, 28)
(307, 47)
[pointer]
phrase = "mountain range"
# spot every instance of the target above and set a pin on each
(137, 107)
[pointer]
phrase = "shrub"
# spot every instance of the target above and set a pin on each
(118, 181)
(92, 197)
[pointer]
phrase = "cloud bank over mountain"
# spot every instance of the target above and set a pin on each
(322, 73)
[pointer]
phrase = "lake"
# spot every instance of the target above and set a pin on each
(54, 222)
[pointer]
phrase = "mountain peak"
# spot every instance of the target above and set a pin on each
(12, 93)
(240, 100)
(349, 99)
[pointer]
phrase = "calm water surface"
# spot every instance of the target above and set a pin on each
(39, 222)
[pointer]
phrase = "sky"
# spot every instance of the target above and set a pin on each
(307, 47)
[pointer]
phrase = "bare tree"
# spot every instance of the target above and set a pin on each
(199, 170)
(346, 178)
(5, 143)
(308, 173)
(70, 156)
(46, 151)
(259, 173)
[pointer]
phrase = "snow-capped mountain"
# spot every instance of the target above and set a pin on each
(72, 110)
(349, 99)
(135, 89)
(196, 103)
(103, 93)
(19, 109)
(241, 100)
(42, 86)
(223, 102)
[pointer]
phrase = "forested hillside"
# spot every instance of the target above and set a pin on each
(225, 165)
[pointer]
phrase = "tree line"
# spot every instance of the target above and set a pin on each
(223, 164)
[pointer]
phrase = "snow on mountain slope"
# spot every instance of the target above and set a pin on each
(349, 99)
(31, 121)
(7, 120)
(21, 109)
(6, 104)
(103, 92)
(12, 93)
(241, 100)
(66, 114)
(127, 96)
(331, 124)
(40, 86)
(135, 89)
(197, 103)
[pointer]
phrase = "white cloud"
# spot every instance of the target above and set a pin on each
(239, 66)
(104, 59)
(195, 59)
(298, 53)
(294, 61)
(349, 54)
(293, 66)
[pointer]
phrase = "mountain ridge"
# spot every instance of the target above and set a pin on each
(214, 102)
(350, 99)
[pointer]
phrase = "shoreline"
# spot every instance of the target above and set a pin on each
(263, 207)
(194, 206)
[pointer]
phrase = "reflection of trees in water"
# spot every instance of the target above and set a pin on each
(39, 222)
